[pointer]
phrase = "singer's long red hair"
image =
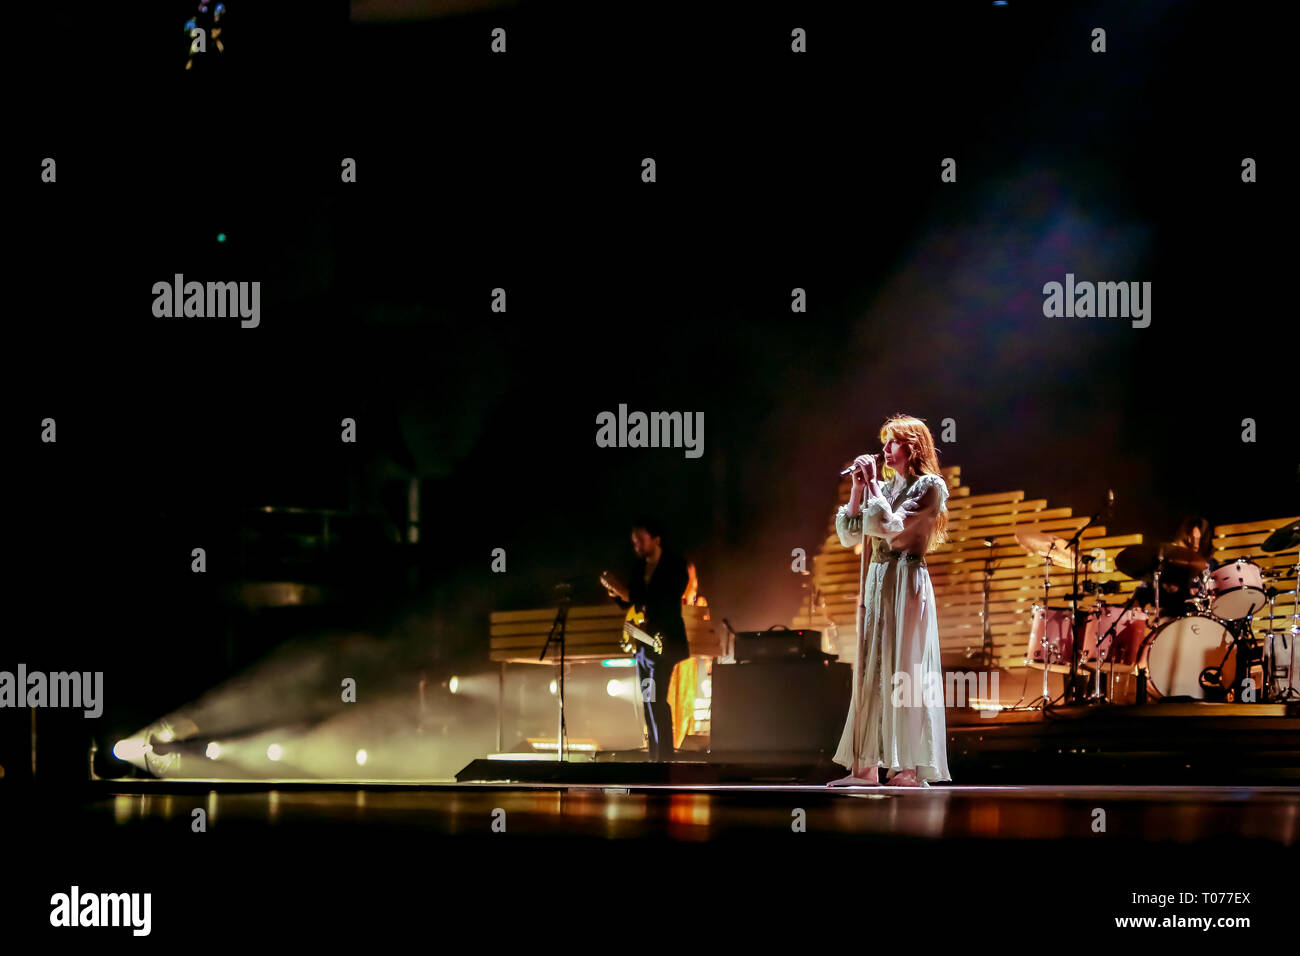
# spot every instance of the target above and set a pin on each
(922, 458)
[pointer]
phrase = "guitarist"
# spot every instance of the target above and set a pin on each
(655, 586)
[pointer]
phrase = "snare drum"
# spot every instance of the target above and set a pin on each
(1236, 589)
(1175, 655)
(1051, 633)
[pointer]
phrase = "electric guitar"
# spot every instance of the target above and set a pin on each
(633, 624)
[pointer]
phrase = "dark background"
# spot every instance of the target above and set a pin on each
(475, 171)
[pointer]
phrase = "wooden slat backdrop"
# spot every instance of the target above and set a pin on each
(591, 634)
(957, 571)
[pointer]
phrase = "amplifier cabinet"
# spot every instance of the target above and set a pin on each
(795, 705)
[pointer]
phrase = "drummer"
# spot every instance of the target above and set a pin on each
(1181, 586)
(1194, 533)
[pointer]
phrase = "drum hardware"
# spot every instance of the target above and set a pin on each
(1250, 655)
(1160, 563)
(1200, 602)
(1284, 539)
(1280, 673)
(1078, 617)
(1050, 650)
(1100, 587)
(1111, 648)
(1101, 656)
(1053, 551)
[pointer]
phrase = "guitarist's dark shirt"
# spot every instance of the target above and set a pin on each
(661, 600)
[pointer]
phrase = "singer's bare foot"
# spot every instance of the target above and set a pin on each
(863, 778)
(905, 778)
(849, 781)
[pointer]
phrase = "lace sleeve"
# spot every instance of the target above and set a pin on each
(848, 527)
(924, 500)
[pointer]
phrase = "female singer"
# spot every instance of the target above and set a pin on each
(896, 718)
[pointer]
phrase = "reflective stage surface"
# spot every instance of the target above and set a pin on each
(978, 867)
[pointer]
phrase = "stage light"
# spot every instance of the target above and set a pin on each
(361, 758)
(555, 688)
(165, 735)
(454, 684)
(214, 751)
(131, 750)
(274, 752)
(221, 237)
(618, 662)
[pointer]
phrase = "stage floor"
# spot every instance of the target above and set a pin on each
(1149, 814)
(490, 864)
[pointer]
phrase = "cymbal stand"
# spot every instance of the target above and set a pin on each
(1048, 646)
(1295, 624)
(1077, 617)
(1274, 671)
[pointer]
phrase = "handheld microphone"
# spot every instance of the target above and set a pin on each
(849, 470)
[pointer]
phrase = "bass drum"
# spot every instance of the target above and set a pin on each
(1177, 653)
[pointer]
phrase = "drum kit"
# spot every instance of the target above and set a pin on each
(1201, 646)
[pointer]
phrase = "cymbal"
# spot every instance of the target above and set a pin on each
(1283, 539)
(1139, 560)
(1057, 550)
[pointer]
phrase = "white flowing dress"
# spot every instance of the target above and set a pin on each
(896, 716)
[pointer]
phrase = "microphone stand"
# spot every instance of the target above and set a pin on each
(859, 663)
(564, 592)
(1076, 617)
(986, 655)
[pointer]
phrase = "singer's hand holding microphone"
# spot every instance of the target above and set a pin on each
(863, 470)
